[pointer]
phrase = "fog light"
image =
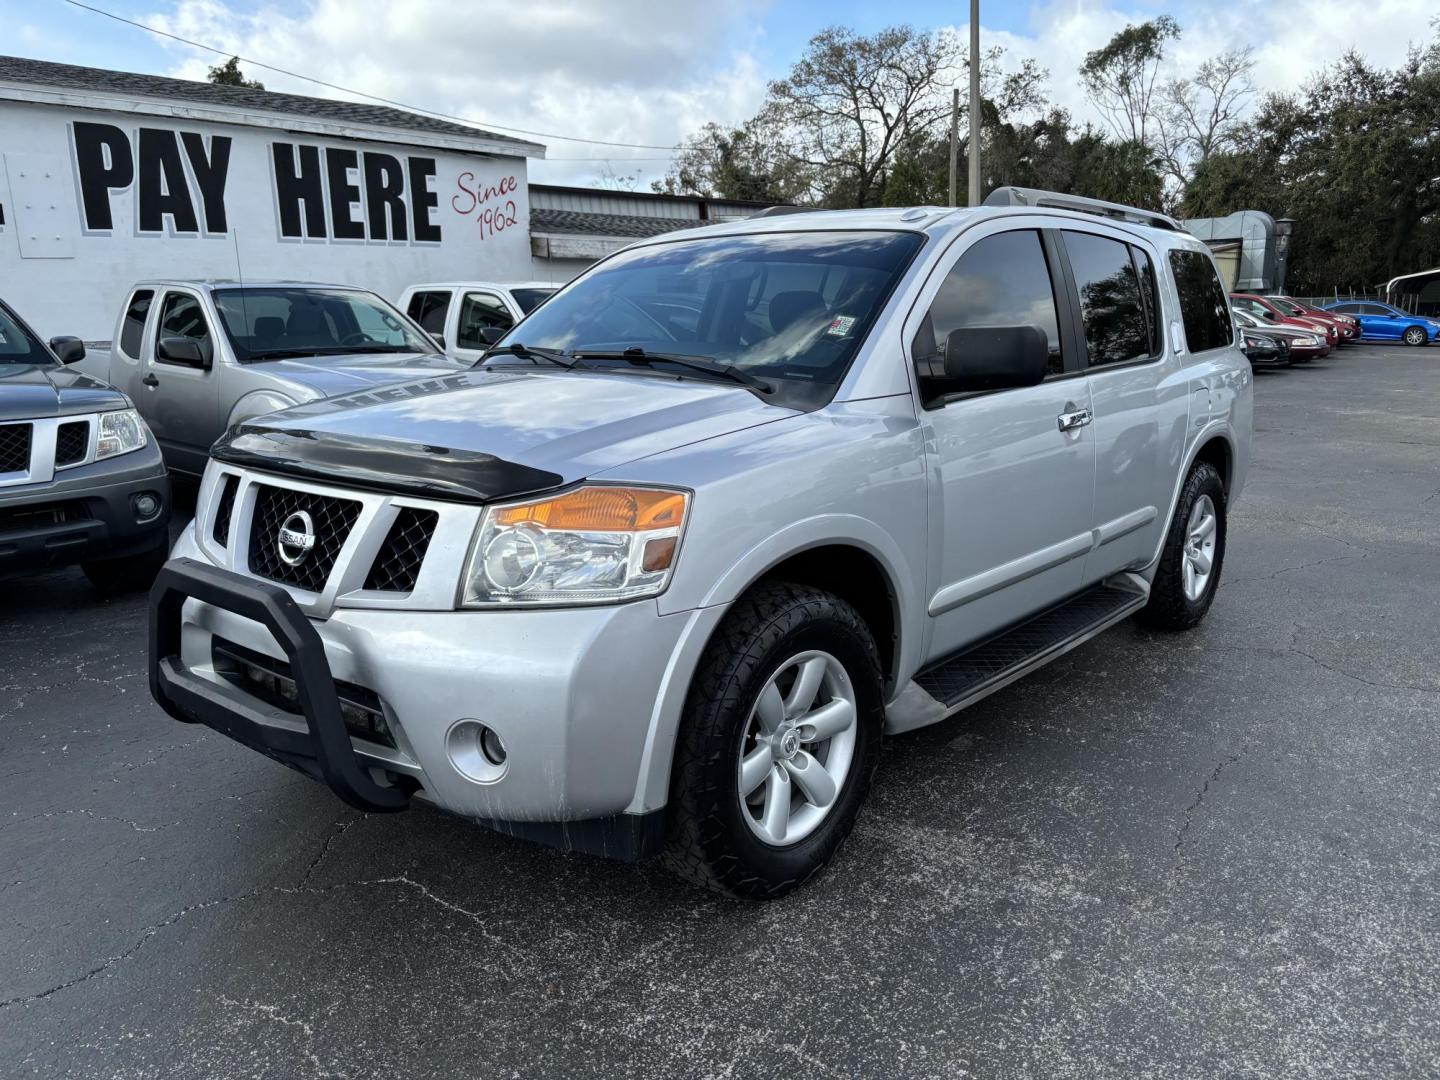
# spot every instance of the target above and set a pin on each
(476, 752)
(146, 504)
(492, 747)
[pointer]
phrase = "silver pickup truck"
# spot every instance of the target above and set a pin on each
(199, 356)
(659, 573)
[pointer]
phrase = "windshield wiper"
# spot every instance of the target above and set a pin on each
(639, 357)
(524, 352)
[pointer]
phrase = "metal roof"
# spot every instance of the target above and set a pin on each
(19, 69)
(580, 223)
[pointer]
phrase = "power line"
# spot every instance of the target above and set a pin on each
(373, 97)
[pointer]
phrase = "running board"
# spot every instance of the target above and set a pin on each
(945, 688)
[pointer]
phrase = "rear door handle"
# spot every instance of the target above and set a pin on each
(1069, 421)
(150, 380)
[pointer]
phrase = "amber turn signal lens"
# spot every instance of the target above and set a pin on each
(659, 553)
(602, 509)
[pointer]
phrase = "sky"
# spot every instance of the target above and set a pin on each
(653, 71)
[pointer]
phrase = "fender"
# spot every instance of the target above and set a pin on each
(1222, 427)
(822, 530)
(259, 402)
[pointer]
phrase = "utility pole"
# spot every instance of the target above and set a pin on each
(974, 103)
(954, 143)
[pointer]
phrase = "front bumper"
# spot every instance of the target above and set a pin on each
(582, 699)
(85, 513)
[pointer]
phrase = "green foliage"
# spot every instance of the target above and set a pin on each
(229, 74)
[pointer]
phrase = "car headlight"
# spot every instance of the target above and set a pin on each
(595, 545)
(120, 432)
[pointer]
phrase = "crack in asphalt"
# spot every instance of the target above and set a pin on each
(90, 814)
(149, 932)
(1189, 813)
(340, 828)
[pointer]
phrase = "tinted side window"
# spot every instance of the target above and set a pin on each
(182, 316)
(480, 310)
(428, 309)
(132, 330)
(1003, 280)
(1150, 294)
(1116, 330)
(1202, 301)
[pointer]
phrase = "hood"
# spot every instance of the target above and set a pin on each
(30, 391)
(329, 375)
(489, 433)
(1287, 332)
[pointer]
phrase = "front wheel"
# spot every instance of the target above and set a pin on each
(1416, 335)
(1189, 571)
(778, 743)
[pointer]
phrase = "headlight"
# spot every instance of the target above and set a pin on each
(120, 432)
(594, 545)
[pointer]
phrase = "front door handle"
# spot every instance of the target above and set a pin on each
(150, 380)
(1069, 421)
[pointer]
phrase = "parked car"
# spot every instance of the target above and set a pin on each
(1264, 351)
(1346, 326)
(467, 317)
(1385, 322)
(1267, 312)
(81, 481)
(199, 356)
(630, 592)
(1302, 346)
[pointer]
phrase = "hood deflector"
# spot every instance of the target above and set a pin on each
(398, 468)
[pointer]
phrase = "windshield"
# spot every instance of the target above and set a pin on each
(17, 344)
(273, 323)
(1288, 306)
(530, 299)
(788, 308)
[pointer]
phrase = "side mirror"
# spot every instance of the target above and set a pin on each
(68, 350)
(491, 334)
(181, 350)
(988, 358)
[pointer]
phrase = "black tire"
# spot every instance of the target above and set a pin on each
(1169, 608)
(1416, 335)
(129, 574)
(709, 843)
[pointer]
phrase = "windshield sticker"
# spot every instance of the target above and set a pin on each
(840, 326)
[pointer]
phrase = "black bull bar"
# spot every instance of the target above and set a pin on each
(323, 752)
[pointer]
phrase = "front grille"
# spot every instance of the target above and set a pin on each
(72, 442)
(332, 519)
(18, 518)
(224, 507)
(14, 448)
(398, 564)
(270, 680)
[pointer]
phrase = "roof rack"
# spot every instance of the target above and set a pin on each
(1018, 196)
(784, 208)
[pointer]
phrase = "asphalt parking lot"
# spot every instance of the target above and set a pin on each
(1173, 856)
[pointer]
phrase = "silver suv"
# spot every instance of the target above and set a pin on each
(658, 574)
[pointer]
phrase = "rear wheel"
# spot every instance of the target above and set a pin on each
(778, 743)
(1416, 335)
(1189, 571)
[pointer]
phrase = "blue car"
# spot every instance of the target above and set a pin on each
(1385, 322)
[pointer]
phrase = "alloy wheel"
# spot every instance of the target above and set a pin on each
(1199, 553)
(797, 749)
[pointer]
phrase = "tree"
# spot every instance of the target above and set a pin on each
(740, 163)
(1202, 115)
(229, 74)
(1120, 77)
(850, 103)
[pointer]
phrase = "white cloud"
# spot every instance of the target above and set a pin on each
(641, 71)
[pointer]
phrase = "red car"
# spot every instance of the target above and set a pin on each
(1347, 325)
(1266, 311)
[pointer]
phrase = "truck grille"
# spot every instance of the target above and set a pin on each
(224, 507)
(14, 448)
(397, 566)
(270, 680)
(333, 519)
(71, 442)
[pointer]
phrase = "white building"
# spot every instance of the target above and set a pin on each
(109, 177)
